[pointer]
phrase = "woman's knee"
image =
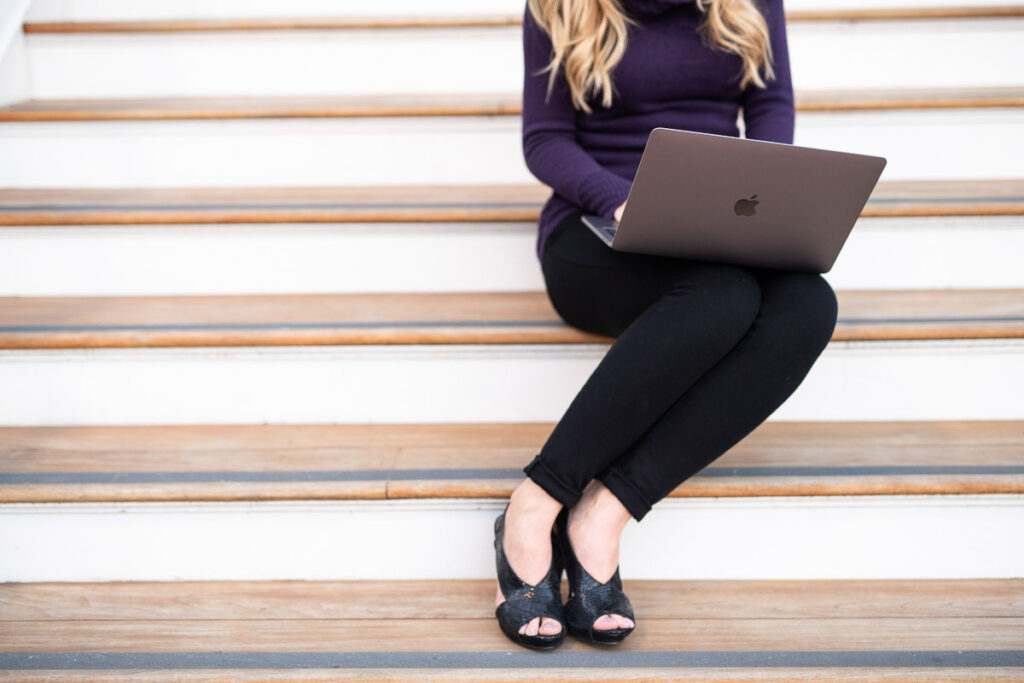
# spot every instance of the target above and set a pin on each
(821, 304)
(809, 306)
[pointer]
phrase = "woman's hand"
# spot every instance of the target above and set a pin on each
(618, 212)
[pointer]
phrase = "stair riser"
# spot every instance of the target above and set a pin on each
(855, 537)
(114, 10)
(962, 380)
(126, 10)
(15, 83)
(882, 253)
(906, 53)
(980, 144)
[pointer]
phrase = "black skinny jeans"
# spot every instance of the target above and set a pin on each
(704, 354)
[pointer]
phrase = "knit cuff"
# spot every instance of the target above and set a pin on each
(632, 498)
(602, 192)
(551, 483)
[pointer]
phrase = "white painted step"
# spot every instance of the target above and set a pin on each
(919, 144)
(820, 537)
(861, 54)
(937, 380)
(132, 10)
(882, 253)
(827, 5)
(15, 78)
(127, 10)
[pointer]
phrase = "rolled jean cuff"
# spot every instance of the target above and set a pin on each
(547, 480)
(631, 498)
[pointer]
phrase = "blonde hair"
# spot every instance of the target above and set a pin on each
(588, 38)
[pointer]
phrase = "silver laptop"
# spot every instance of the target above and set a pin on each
(748, 202)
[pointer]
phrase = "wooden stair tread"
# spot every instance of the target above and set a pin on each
(439, 318)
(472, 21)
(330, 23)
(909, 98)
(284, 462)
(329, 668)
(449, 625)
(496, 203)
(904, 13)
(482, 635)
(445, 203)
(417, 599)
(339, 106)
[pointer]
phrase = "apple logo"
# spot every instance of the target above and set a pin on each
(746, 207)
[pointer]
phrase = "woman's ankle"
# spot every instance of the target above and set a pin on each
(595, 526)
(599, 508)
(530, 499)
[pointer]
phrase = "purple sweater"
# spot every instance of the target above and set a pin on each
(668, 78)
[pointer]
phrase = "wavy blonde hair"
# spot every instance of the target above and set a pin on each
(589, 38)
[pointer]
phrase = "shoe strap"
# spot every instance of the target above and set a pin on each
(589, 599)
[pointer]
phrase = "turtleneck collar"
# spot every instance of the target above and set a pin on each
(650, 8)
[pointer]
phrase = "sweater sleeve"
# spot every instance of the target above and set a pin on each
(549, 135)
(768, 113)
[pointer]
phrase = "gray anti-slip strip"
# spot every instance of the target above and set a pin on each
(359, 325)
(463, 474)
(505, 660)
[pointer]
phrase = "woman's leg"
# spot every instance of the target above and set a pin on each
(794, 324)
(682, 317)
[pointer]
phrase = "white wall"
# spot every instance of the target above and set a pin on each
(14, 70)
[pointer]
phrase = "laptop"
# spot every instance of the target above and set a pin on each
(748, 202)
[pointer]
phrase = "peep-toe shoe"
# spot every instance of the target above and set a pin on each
(588, 598)
(524, 602)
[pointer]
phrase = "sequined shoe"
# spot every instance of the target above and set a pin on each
(524, 602)
(588, 598)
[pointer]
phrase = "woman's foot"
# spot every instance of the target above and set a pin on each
(531, 514)
(595, 525)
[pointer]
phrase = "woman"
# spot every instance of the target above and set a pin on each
(704, 352)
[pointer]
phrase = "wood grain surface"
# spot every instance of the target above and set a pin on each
(421, 204)
(440, 318)
(474, 104)
(474, 21)
(311, 462)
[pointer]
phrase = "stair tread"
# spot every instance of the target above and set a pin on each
(448, 625)
(695, 668)
(481, 20)
(422, 203)
(265, 462)
(417, 599)
(440, 318)
(292, 106)
(503, 203)
(342, 106)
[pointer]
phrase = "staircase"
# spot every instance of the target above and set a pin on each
(274, 348)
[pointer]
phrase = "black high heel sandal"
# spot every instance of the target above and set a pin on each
(588, 598)
(524, 602)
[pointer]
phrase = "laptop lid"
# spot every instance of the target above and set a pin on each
(721, 198)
